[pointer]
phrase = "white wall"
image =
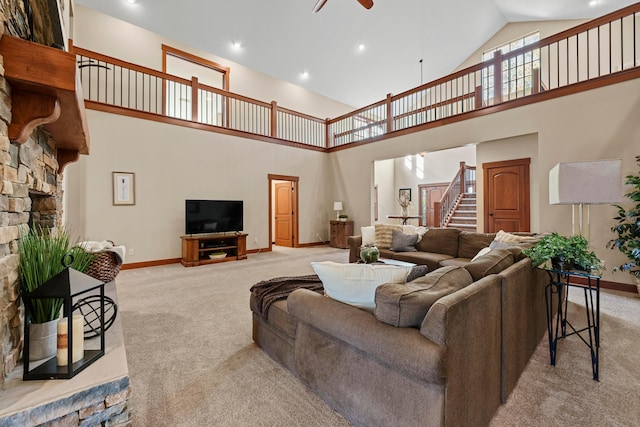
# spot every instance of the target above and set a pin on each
(110, 36)
(173, 163)
(514, 30)
(392, 174)
(598, 124)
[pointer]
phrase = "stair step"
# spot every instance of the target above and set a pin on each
(465, 214)
(463, 226)
(467, 207)
(463, 220)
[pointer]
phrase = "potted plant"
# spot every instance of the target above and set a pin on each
(627, 230)
(343, 217)
(562, 252)
(42, 255)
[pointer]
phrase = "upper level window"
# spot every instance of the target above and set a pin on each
(517, 72)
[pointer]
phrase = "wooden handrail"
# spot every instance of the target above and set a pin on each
(448, 202)
(409, 111)
(358, 111)
(150, 71)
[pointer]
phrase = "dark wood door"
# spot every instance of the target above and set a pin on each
(506, 196)
(284, 214)
(429, 194)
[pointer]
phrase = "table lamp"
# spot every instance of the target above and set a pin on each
(583, 184)
(337, 206)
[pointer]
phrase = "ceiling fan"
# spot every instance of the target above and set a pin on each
(367, 4)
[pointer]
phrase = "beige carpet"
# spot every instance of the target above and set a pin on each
(192, 361)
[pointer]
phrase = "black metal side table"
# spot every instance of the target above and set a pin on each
(559, 283)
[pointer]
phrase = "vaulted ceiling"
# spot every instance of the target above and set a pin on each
(284, 39)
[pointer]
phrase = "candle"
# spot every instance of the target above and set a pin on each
(63, 340)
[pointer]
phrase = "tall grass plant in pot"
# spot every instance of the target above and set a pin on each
(43, 253)
(627, 230)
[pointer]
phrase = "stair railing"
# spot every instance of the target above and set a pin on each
(463, 181)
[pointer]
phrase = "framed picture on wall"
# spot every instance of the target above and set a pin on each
(124, 190)
(404, 194)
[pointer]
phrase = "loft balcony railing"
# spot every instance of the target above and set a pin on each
(143, 92)
(600, 52)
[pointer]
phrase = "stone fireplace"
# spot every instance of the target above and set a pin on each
(42, 128)
(26, 173)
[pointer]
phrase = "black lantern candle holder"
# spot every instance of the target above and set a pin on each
(66, 285)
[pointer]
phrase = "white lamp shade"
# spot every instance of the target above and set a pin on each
(337, 206)
(596, 182)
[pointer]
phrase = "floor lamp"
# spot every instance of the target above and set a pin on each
(582, 184)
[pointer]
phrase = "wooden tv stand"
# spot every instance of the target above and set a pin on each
(197, 247)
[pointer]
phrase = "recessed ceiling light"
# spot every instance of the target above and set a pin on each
(132, 1)
(236, 45)
(593, 3)
(361, 47)
(305, 75)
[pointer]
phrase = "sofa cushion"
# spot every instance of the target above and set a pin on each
(440, 241)
(368, 234)
(405, 305)
(401, 242)
(431, 260)
(356, 284)
(492, 262)
(384, 234)
(470, 243)
(457, 262)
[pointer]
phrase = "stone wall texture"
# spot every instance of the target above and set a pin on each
(104, 405)
(29, 182)
(31, 193)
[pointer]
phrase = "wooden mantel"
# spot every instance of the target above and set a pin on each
(45, 90)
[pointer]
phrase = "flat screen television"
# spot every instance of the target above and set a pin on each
(213, 216)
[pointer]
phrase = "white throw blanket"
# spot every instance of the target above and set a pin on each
(104, 246)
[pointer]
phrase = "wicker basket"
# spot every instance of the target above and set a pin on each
(104, 267)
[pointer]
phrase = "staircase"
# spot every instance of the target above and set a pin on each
(464, 214)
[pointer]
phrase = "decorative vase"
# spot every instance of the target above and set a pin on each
(43, 340)
(369, 254)
(404, 211)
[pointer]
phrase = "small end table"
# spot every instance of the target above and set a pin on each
(559, 283)
(403, 218)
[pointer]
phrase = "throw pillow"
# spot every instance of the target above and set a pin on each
(368, 235)
(401, 242)
(480, 253)
(356, 284)
(406, 305)
(417, 271)
(492, 262)
(414, 229)
(384, 235)
(504, 240)
(504, 237)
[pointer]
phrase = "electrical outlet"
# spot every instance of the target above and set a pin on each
(131, 252)
(255, 240)
(319, 237)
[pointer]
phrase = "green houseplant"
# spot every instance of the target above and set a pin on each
(627, 229)
(42, 252)
(563, 252)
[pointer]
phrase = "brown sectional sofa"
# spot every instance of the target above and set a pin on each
(439, 247)
(453, 370)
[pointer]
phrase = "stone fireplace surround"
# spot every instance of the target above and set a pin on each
(31, 192)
